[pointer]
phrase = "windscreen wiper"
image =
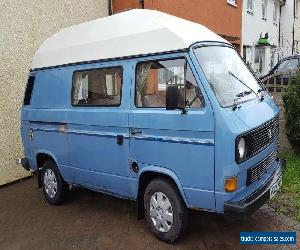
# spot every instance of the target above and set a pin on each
(238, 96)
(242, 94)
(234, 76)
(261, 91)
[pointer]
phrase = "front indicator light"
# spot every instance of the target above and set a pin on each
(231, 184)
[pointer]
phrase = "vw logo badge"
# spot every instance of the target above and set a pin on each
(270, 133)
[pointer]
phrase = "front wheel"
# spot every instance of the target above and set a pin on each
(165, 211)
(53, 185)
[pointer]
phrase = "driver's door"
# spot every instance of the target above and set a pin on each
(181, 143)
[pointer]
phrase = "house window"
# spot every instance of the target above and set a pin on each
(264, 9)
(97, 87)
(248, 55)
(296, 8)
(296, 47)
(250, 6)
(259, 60)
(275, 13)
(272, 58)
(232, 2)
(154, 77)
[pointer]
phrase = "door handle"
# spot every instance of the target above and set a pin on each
(120, 139)
(134, 131)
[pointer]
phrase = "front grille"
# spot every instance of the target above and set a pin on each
(261, 137)
(255, 173)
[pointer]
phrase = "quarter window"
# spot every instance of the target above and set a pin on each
(152, 79)
(97, 87)
(28, 91)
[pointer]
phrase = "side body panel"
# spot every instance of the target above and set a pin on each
(44, 118)
(82, 140)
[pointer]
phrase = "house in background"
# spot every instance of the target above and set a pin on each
(261, 25)
(287, 31)
(271, 31)
(222, 16)
(263, 31)
(296, 46)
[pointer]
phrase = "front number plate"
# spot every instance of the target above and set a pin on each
(276, 187)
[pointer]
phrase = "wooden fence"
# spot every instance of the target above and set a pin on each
(277, 82)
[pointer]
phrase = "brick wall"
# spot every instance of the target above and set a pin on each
(217, 15)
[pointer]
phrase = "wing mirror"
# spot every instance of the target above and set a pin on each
(173, 99)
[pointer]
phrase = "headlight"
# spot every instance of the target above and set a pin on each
(241, 149)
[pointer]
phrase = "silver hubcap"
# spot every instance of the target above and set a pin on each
(161, 212)
(50, 183)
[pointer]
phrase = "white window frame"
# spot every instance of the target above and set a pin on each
(232, 2)
(251, 8)
(259, 53)
(296, 9)
(264, 9)
(275, 13)
(296, 46)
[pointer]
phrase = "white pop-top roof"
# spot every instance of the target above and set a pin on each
(129, 33)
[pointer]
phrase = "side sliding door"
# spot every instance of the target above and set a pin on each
(98, 127)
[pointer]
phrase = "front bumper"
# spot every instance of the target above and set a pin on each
(258, 198)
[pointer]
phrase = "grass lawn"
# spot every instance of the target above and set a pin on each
(288, 200)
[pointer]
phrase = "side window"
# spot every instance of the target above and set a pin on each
(97, 87)
(153, 77)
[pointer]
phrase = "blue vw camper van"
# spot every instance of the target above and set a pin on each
(149, 107)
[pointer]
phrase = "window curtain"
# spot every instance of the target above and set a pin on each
(142, 73)
(77, 87)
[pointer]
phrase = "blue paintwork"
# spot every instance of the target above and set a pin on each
(196, 150)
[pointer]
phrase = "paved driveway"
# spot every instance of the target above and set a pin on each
(94, 221)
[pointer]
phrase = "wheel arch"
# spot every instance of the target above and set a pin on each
(146, 176)
(41, 158)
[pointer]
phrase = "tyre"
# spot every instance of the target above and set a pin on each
(165, 211)
(53, 185)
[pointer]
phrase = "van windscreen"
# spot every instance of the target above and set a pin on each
(227, 75)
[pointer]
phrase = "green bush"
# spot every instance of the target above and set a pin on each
(291, 101)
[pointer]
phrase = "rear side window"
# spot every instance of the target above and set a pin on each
(29, 89)
(97, 87)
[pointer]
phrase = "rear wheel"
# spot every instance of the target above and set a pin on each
(53, 185)
(165, 211)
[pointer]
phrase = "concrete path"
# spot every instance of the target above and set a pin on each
(94, 221)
